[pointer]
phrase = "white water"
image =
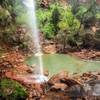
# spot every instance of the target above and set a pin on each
(32, 21)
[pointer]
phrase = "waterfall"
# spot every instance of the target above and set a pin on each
(32, 21)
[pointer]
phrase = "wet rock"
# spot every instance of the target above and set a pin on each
(58, 87)
(50, 49)
(70, 82)
(55, 96)
(57, 78)
(76, 91)
(30, 70)
(73, 88)
(93, 87)
(96, 89)
(35, 91)
(46, 73)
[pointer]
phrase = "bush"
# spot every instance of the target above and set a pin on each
(68, 21)
(69, 25)
(58, 22)
(44, 17)
(11, 90)
(48, 20)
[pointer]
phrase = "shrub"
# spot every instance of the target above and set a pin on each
(69, 25)
(44, 17)
(11, 90)
(48, 20)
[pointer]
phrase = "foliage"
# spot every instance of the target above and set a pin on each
(45, 26)
(57, 21)
(55, 18)
(5, 18)
(48, 20)
(68, 25)
(74, 4)
(86, 12)
(13, 18)
(11, 90)
(48, 31)
(98, 15)
(13, 8)
(88, 15)
(68, 21)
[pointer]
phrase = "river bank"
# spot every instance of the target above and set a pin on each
(86, 54)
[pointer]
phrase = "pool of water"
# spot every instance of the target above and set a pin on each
(55, 63)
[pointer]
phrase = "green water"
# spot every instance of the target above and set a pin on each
(55, 63)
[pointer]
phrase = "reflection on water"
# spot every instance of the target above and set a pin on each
(55, 63)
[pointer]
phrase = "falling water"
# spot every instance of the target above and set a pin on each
(32, 21)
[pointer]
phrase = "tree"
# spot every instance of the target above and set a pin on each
(68, 26)
(55, 18)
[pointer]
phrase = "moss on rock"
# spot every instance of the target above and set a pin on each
(12, 90)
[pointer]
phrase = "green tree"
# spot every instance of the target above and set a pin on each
(55, 18)
(48, 20)
(68, 26)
